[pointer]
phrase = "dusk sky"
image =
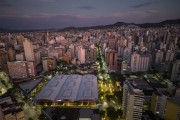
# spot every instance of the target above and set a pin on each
(32, 14)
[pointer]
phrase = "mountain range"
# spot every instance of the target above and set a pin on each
(144, 25)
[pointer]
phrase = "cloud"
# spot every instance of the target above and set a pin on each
(86, 7)
(48, 1)
(38, 15)
(47, 20)
(142, 5)
(152, 11)
(5, 4)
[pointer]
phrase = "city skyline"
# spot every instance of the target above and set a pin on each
(114, 72)
(43, 14)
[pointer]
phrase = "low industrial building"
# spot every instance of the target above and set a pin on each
(69, 88)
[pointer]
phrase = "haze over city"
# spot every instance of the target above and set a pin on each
(43, 14)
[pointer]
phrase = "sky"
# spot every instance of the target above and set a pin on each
(46, 14)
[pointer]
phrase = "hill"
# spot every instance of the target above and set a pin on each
(144, 25)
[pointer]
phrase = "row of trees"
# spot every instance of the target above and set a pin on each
(112, 113)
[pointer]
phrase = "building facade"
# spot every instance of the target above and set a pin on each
(28, 50)
(140, 62)
(133, 99)
(21, 69)
(173, 109)
(49, 63)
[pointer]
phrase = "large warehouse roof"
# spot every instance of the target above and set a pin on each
(70, 87)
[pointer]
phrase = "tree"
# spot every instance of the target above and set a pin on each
(4, 83)
(103, 71)
(42, 117)
(119, 94)
(49, 103)
(30, 118)
(62, 62)
(60, 103)
(26, 98)
(41, 103)
(102, 113)
(120, 113)
(22, 103)
(111, 113)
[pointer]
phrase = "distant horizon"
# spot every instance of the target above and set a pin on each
(46, 14)
(86, 26)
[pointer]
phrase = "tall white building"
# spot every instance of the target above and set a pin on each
(28, 50)
(133, 98)
(144, 62)
(159, 57)
(81, 54)
(169, 56)
(135, 62)
(140, 62)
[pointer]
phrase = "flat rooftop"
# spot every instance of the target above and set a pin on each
(27, 87)
(70, 87)
(139, 83)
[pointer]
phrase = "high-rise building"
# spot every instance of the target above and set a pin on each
(20, 57)
(11, 54)
(144, 62)
(3, 58)
(104, 46)
(72, 50)
(69, 53)
(135, 62)
(47, 37)
(66, 58)
(169, 56)
(92, 55)
(133, 98)
(31, 68)
(112, 44)
(37, 56)
(177, 92)
(28, 50)
(158, 103)
(21, 69)
(124, 66)
(175, 71)
(140, 62)
(120, 51)
(111, 58)
(172, 111)
(81, 54)
(126, 55)
(19, 39)
(49, 63)
(55, 53)
(159, 57)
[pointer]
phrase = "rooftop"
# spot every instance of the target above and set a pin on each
(139, 83)
(27, 87)
(70, 87)
(175, 100)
